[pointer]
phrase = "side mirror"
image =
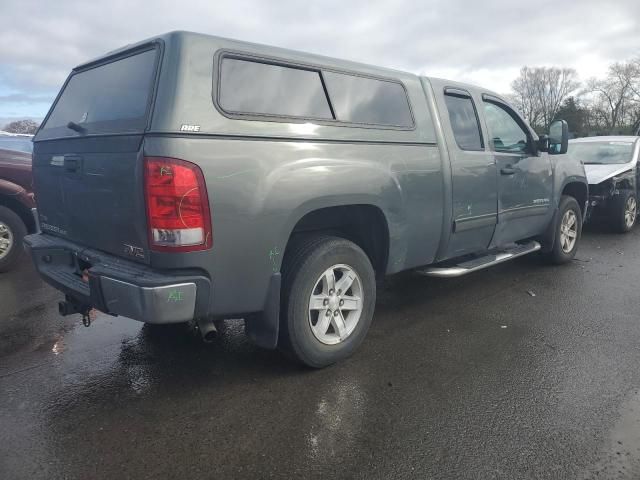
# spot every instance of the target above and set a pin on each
(558, 137)
(543, 143)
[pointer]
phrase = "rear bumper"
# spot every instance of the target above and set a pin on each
(119, 287)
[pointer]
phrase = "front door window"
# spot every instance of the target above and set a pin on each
(507, 135)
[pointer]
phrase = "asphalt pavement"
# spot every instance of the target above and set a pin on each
(516, 372)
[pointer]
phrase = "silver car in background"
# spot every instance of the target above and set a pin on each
(611, 165)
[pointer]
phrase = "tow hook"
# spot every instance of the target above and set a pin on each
(86, 319)
(71, 307)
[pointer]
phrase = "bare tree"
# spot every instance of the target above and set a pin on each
(616, 98)
(634, 99)
(22, 126)
(556, 86)
(540, 92)
(524, 96)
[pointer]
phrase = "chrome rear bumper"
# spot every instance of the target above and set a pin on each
(115, 286)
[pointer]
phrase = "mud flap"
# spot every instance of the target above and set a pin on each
(263, 328)
(548, 238)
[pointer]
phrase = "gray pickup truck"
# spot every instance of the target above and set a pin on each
(190, 177)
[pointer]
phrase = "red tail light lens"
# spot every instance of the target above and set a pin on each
(177, 205)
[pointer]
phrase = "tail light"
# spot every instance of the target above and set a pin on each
(177, 205)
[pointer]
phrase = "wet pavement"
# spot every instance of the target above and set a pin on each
(520, 371)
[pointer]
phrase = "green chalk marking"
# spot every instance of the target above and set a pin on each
(273, 253)
(241, 172)
(175, 296)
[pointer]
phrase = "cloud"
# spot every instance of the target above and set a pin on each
(480, 42)
(25, 98)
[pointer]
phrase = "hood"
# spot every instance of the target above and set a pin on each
(14, 157)
(15, 167)
(599, 173)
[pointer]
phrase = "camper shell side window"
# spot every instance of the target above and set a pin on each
(255, 88)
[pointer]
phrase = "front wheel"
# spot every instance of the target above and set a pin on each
(328, 300)
(624, 212)
(568, 231)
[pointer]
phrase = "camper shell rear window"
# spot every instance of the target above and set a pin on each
(110, 97)
(265, 89)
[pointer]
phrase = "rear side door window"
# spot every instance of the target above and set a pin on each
(464, 122)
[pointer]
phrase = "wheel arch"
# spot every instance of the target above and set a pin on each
(578, 190)
(365, 224)
(16, 206)
(575, 188)
(343, 220)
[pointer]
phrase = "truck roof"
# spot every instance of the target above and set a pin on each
(186, 92)
(180, 36)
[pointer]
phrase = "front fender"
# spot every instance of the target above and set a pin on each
(565, 171)
(625, 180)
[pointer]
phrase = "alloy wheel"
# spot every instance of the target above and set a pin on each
(568, 231)
(335, 305)
(6, 240)
(630, 212)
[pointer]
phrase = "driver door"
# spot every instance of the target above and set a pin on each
(525, 178)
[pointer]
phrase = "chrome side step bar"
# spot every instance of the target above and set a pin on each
(489, 260)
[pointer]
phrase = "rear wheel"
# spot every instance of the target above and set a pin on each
(624, 212)
(12, 231)
(328, 300)
(568, 230)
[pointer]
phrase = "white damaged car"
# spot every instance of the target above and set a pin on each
(611, 165)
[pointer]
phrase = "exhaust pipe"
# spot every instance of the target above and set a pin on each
(208, 330)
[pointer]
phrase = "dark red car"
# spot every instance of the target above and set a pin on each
(16, 197)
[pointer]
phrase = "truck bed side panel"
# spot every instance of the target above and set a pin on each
(259, 189)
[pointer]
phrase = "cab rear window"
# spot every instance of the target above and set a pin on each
(109, 98)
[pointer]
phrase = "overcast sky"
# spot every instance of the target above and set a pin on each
(483, 42)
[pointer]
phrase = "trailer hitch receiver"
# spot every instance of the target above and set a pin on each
(70, 307)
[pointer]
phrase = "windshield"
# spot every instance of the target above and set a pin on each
(109, 98)
(602, 153)
(18, 144)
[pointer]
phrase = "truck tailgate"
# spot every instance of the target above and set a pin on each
(90, 191)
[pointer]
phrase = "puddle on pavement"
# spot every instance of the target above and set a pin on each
(23, 348)
(338, 420)
(58, 347)
(621, 454)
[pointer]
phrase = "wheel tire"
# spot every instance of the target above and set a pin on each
(618, 214)
(303, 269)
(558, 255)
(17, 230)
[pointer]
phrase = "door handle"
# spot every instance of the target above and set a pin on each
(508, 170)
(72, 164)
